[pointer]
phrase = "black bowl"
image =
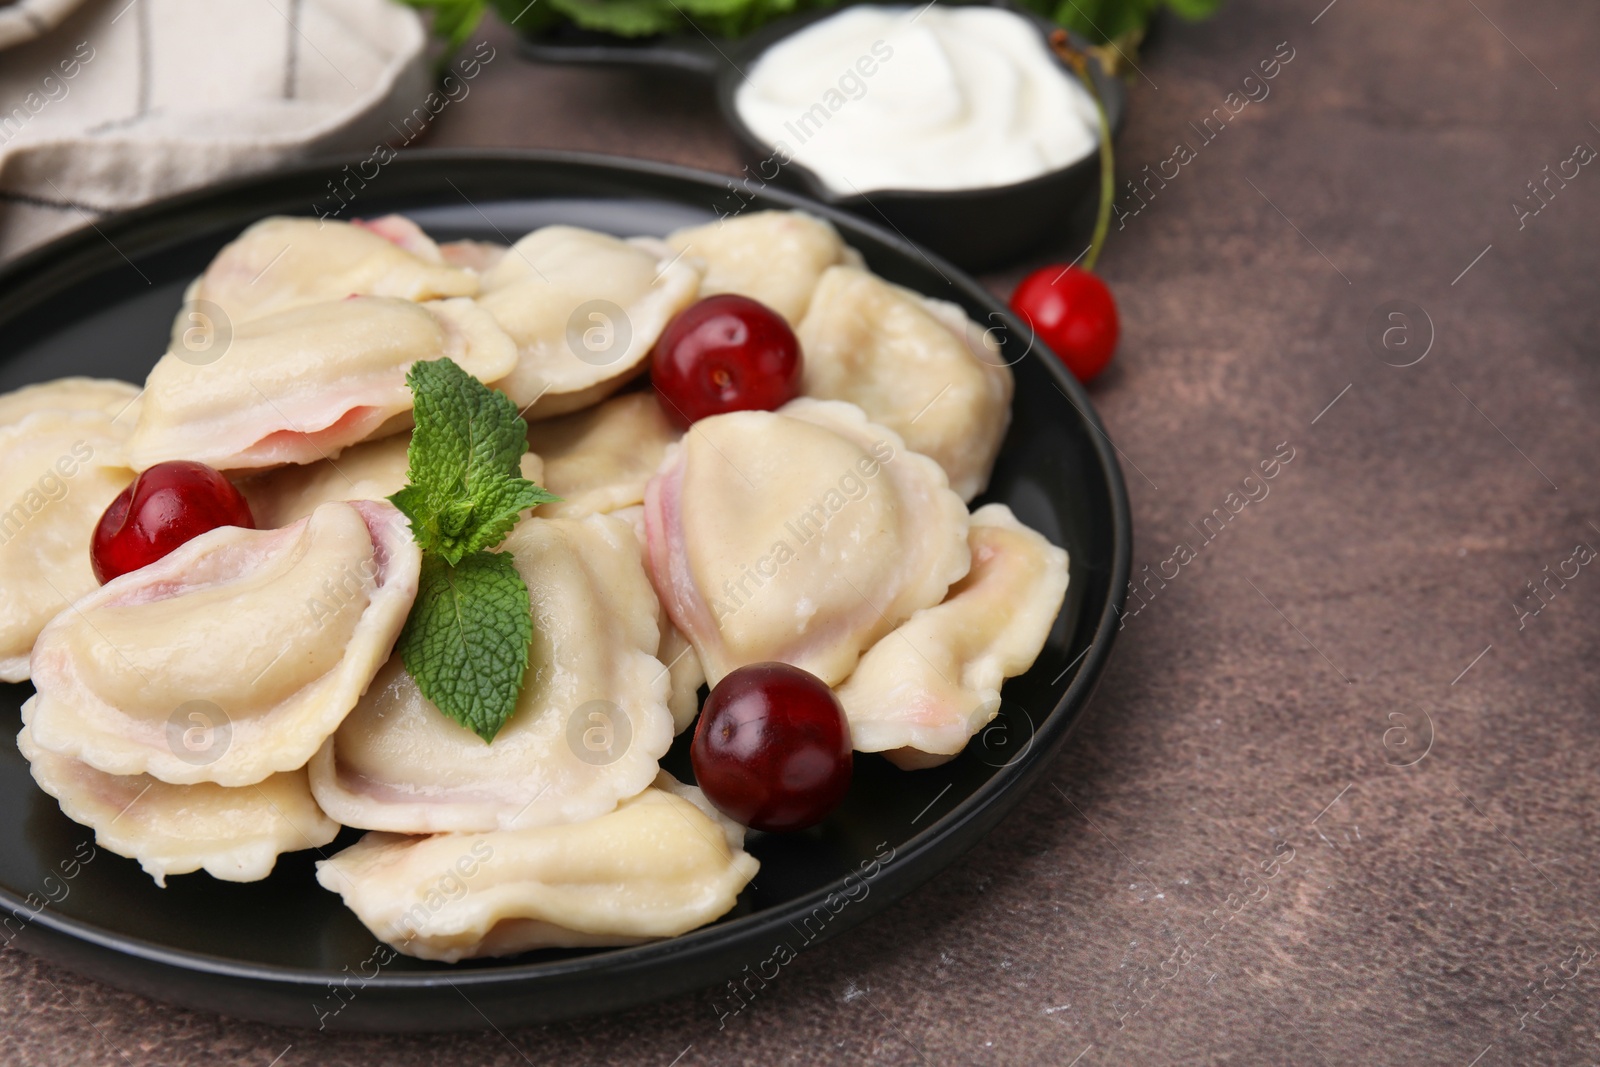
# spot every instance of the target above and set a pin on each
(100, 302)
(977, 229)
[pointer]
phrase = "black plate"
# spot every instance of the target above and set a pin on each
(101, 301)
(978, 229)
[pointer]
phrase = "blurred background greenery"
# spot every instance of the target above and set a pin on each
(1119, 24)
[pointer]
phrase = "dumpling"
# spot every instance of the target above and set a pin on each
(282, 263)
(584, 309)
(59, 471)
(923, 691)
(373, 470)
(599, 460)
(404, 235)
(269, 637)
(88, 395)
(480, 256)
(661, 864)
(303, 385)
(801, 535)
(235, 834)
(685, 676)
(775, 257)
(588, 729)
(915, 365)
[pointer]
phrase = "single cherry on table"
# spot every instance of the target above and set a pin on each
(166, 506)
(1072, 312)
(725, 353)
(772, 749)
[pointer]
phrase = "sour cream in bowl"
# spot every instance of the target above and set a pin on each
(928, 98)
(955, 124)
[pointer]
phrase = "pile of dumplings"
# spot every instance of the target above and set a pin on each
(240, 698)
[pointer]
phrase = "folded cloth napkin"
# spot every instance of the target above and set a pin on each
(129, 100)
(23, 20)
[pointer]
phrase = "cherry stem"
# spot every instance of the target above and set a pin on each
(1062, 45)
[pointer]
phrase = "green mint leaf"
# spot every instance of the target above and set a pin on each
(467, 639)
(465, 430)
(466, 487)
(525, 15)
(496, 509)
(625, 18)
(1194, 9)
(453, 20)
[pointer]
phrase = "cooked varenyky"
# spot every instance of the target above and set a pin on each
(305, 384)
(241, 697)
(918, 366)
(922, 692)
(584, 309)
(282, 263)
(269, 637)
(373, 470)
(589, 726)
(775, 257)
(63, 460)
(105, 396)
(480, 256)
(801, 535)
(663, 863)
(600, 459)
(234, 833)
(684, 673)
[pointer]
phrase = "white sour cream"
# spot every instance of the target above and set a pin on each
(927, 98)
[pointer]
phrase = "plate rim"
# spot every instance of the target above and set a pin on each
(983, 808)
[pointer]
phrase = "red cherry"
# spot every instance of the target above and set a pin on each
(725, 353)
(772, 750)
(166, 506)
(1073, 313)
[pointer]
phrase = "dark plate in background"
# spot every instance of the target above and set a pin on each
(101, 302)
(977, 229)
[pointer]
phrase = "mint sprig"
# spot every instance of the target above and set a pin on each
(466, 487)
(466, 640)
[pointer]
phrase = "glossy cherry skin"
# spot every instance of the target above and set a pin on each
(772, 749)
(1073, 313)
(168, 505)
(725, 353)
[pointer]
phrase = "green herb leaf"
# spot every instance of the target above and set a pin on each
(1117, 22)
(453, 20)
(1194, 9)
(625, 18)
(467, 639)
(1101, 21)
(466, 487)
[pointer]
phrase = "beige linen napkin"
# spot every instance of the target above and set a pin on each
(23, 20)
(129, 100)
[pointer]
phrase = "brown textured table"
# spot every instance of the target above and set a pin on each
(1231, 862)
